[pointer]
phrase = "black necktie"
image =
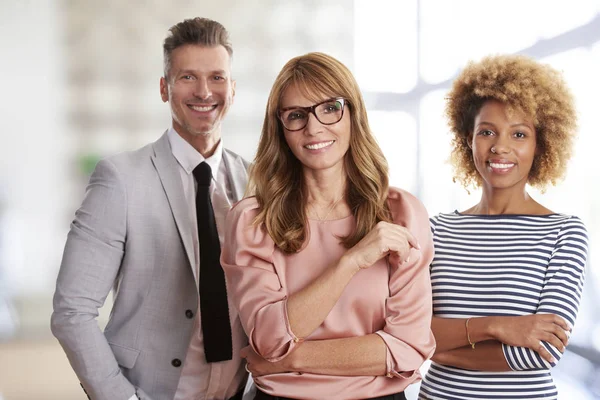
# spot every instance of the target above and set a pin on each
(214, 310)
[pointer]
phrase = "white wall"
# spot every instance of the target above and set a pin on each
(33, 147)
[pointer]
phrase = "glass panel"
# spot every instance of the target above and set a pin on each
(437, 173)
(385, 45)
(396, 134)
(457, 31)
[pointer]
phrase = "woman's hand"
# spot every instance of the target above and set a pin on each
(531, 330)
(384, 239)
(258, 366)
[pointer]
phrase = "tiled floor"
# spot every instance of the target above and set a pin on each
(36, 369)
(33, 366)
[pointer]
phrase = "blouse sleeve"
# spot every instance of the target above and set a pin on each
(407, 331)
(561, 293)
(253, 283)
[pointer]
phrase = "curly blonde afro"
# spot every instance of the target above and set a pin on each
(522, 84)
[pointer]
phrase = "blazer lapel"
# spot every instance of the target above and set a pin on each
(238, 174)
(167, 169)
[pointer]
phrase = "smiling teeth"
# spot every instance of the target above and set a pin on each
(202, 108)
(501, 166)
(318, 146)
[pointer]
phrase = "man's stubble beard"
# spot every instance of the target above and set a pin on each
(195, 133)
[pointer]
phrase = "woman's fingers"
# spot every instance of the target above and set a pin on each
(556, 334)
(561, 334)
(550, 330)
(556, 320)
(537, 332)
(401, 249)
(561, 322)
(401, 242)
(412, 240)
(555, 341)
(543, 352)
(385, 239)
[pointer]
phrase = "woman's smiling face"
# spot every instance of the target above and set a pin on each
(503, 143)
(317, 146)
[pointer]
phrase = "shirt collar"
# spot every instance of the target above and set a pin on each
(189, 158)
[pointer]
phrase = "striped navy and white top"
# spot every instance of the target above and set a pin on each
(504, 265)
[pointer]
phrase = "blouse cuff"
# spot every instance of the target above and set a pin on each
(392, 369)
(274, 340)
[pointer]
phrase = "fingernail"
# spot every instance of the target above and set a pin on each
(418, 245)
(553, 360)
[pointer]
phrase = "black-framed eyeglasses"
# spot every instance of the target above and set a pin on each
(327, 112)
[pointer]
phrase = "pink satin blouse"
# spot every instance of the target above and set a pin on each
(393, 301)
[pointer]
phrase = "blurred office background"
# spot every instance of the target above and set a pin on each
(79, 81)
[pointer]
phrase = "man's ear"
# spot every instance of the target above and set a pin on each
(164, 89)
(232, 90)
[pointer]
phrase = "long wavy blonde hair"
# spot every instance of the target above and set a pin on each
(276, 177)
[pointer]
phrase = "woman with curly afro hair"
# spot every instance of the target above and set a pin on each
(508, 273)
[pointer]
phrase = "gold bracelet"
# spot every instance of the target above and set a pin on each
(469, 337)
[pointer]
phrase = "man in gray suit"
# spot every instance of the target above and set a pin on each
(140, 232)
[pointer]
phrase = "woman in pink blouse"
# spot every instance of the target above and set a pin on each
(328, 265)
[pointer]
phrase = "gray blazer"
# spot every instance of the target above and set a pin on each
(132, 234)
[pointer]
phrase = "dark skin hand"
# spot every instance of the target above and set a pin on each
(522, 331)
